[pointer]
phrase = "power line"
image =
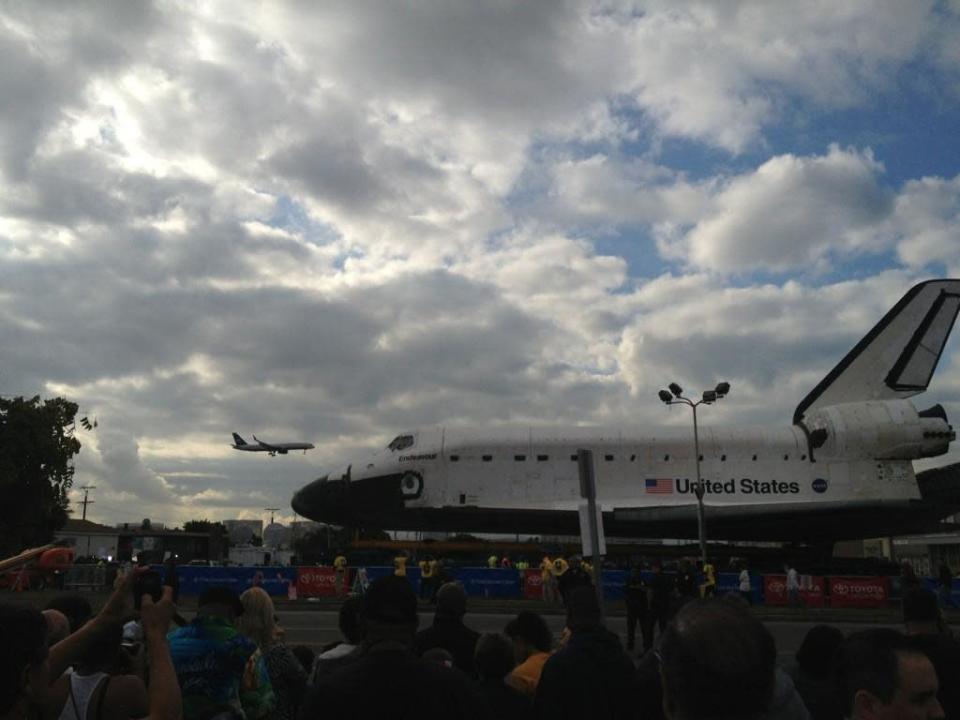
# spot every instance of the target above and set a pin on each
(271, 511)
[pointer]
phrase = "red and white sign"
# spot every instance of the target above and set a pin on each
(532, 584)
(811, 590)
(317, 582)
(859, 591)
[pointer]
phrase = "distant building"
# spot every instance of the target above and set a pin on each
(139, 523)
(277, 536)
(90, 539)
(258, 556)
(240, 532)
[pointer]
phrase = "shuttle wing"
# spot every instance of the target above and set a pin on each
(897, 358)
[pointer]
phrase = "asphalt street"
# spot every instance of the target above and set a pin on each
(315, 628)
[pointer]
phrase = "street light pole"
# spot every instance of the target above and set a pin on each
(701, 522)
(675, 397)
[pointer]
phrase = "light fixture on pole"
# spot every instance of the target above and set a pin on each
(675, 397)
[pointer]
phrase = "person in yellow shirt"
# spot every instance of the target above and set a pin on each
(400, 565)
(560, 566)
(340, 568)
(548, 580)
(532, 643)
(492, 562)
(427, 566)
(708, 587)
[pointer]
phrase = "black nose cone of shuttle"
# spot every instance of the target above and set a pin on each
(325, 501)
(357, 503)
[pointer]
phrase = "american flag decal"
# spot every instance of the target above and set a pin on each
(659, 486)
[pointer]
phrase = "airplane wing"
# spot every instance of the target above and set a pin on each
(268, 446)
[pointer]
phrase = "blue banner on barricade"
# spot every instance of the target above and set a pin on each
(489, 582)
(497, 582)
(194, 579)
(933, 585)
(729, 584)
(613, 583)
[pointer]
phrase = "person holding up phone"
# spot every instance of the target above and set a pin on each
(29, 670)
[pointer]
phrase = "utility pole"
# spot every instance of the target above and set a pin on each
(271, 511)
(86, 489)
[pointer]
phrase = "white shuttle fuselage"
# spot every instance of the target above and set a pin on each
(844, 468)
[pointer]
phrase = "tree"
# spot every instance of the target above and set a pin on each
(204, 526)
(36, 469)
(217, 533)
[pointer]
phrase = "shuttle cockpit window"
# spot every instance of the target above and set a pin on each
(401, 442)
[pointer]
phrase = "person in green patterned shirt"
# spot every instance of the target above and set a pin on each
(221, 674)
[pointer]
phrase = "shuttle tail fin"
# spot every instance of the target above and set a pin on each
(897, 358)
(238, 440)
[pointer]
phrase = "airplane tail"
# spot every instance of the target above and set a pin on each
(238, 440)
(897, 358)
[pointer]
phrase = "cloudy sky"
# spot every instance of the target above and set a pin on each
(333, 221)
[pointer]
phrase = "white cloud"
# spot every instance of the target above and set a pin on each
(722, 72)
(330, 221)
(927, 223)
(791, 213)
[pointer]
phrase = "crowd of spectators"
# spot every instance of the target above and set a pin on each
(712, 658)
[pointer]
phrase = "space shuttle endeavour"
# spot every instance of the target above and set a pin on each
(842, 469)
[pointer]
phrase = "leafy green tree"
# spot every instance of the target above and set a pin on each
(37, 447)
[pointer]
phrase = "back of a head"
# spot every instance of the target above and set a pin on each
(219, 600)
(257, 621)
(349, 620)
(438, 656)
(58, 626)
(717, 662)
(817, 652)
(24, 633)
(532, 629)
(868, 661)
(493, 656)
(76, 607)
(390, 601)
(451, 601)
(583, 609)
(920, 606)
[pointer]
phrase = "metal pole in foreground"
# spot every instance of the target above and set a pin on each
(588, 490)
(701, 524)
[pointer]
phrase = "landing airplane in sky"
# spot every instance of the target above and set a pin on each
(273, 448)
(842, 469)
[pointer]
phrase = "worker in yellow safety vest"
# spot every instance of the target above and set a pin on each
(427, 566)
(548, 580)
(708, 587)
(340, 568)
(400, 565)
